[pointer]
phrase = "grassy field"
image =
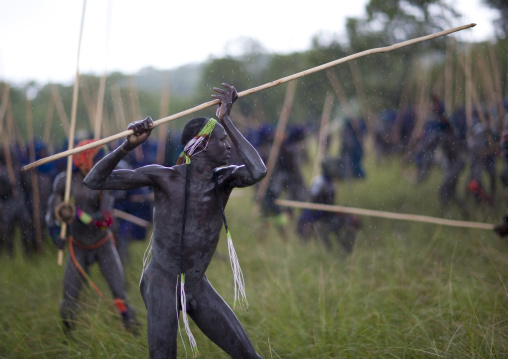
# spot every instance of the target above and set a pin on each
(409, 290)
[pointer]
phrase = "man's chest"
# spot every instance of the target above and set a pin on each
(84, 197)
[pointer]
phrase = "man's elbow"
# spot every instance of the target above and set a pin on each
(261, 173)
(92, 183)
(264, 172)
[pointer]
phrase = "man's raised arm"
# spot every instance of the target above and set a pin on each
(99, 174)
(253, 162)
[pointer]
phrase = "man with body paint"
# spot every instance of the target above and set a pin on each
(90, 239)
(187, 221)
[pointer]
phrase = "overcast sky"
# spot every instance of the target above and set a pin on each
(39, 38)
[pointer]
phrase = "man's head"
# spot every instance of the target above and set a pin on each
(85, 160)
(205, 135)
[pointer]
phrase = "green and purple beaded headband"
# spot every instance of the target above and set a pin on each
(194, 143)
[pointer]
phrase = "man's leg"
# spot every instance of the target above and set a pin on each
(162, 320)
(72, 284)
(27, 228)
(112, 270)
(218, 322)
(492, 173)
(322, 229)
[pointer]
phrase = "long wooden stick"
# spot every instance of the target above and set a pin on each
(5, 139)
(468, 85)
(344, 102)
(163, 130)
(135, 112)
(383, 214)
(506, 80)
(68, 179)
(3, 105)
(105, 125)
(64, 119)
(340, 93)
(273, 156)
(8, 161)
(484, 74)
(14, 131)
(360, 92)
(421, 95)
(100, 108)
(497, 86)
(471, 94)
(87, 93)
(403, 105)
(251, 91)
(118, 109)
(131, 218)
(49, 122)
(102, 85)
(448, 78)
(323, 134)
(5, 135)
(36, 198)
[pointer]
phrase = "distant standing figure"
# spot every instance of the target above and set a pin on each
(340, 227)
(482, 161)
(351, 155)
(502, 228)
(14, 209)
(454, 154)
(90, 239)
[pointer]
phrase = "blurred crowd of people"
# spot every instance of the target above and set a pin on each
(287, 181)
(466, 150)
(471, 149)
(442, 140)
(22, 191)
(24, 199)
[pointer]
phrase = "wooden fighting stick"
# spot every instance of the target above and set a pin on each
(277, 142)
(72, 129)
(205, 105)
(323, 133)
(384, 214)
(36, 198)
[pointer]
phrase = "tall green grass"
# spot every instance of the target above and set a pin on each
(408, 290)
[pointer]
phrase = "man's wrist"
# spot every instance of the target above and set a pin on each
(125, 150)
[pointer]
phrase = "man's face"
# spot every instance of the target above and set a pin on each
(218, 148)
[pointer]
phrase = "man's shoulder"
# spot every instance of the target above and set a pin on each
(158, 168)
(60, 181)
(158, 171)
